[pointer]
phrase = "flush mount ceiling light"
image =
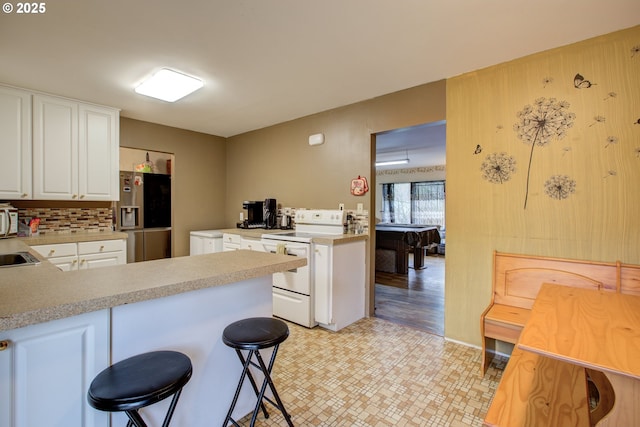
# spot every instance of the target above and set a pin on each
(169, 85)
(394, 162)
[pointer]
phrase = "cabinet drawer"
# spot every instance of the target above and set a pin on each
(231, 238)
(100, 246)
(59, 249)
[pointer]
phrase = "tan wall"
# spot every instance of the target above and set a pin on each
(199, 175)
(599, 221)
(278, 161)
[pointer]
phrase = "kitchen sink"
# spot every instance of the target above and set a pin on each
(17, 259)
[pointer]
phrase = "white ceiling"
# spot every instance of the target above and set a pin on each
(269, 61)
(423, 145)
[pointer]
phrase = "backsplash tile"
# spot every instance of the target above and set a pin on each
(69, 220)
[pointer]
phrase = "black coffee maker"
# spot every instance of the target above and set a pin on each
(270, 214)
(255, 215)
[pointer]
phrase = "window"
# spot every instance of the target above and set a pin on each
(414, 203)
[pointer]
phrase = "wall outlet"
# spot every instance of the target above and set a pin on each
(341, 206)
(360, 208)
(241, 216)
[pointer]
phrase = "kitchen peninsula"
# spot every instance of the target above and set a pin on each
(61, 328)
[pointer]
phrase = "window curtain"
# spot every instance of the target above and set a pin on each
(387, 203)
(427, 203)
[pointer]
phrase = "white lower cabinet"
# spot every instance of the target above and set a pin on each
(101, 253)
(231, 242)
(339, 278)
(84, 255)
(46, 369)
(62, 255)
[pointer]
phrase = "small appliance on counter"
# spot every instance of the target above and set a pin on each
(255, 215)
(260, 214)
(8, 221)
(270, 214)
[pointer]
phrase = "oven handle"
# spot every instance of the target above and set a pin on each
(292, 249)
(294, 270)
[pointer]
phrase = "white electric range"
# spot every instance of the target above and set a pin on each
(293, 291)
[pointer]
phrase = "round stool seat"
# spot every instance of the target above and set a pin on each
(255, 333)
(139, 381)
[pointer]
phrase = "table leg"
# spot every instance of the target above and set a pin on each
(402, 261)
(418, 258)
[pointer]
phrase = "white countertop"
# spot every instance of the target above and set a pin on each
(40, 293)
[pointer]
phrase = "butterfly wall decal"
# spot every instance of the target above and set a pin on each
(580, 83)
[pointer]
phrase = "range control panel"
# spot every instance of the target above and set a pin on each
(320, 216)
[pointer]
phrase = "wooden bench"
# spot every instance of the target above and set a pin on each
(517, 280)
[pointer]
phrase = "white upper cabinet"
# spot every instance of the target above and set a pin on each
(98, 151)
(55, 148)
(75, 150)
(15, 143)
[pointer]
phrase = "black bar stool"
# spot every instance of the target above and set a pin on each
(253, 335)
(140, 381)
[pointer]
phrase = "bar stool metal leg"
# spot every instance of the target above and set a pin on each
(269, 381)
(253, 335)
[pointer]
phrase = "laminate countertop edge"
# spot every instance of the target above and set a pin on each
(52, 239)
(325, 239)
(41, 293)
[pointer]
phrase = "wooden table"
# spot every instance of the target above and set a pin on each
(598, 330)
(402, 239)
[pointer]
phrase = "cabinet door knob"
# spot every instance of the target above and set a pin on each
(75, 196)
(4, 344)
(23, 195)
(51, 252)
(101, 247)
(82, 196)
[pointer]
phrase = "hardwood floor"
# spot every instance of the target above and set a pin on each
(415, 299)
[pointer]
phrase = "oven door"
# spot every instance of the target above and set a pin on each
(299, 279)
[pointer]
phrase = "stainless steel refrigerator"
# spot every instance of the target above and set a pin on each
(144, 213)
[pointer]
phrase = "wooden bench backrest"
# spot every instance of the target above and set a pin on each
(517, 278)
(630, 279)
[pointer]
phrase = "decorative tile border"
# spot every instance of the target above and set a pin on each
(404, 171)
(69, 220)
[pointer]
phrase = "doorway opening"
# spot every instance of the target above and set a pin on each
(409, 275)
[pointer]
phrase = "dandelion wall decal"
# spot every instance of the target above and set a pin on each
(539, 124)
(635, 51)
(610, 173)
(637, 151)
(610, 95)
(598, 119)
(611, 140)
(498, 167)
(559, 187)
(547, 81)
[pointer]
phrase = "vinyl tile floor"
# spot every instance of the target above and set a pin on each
(378, 373)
